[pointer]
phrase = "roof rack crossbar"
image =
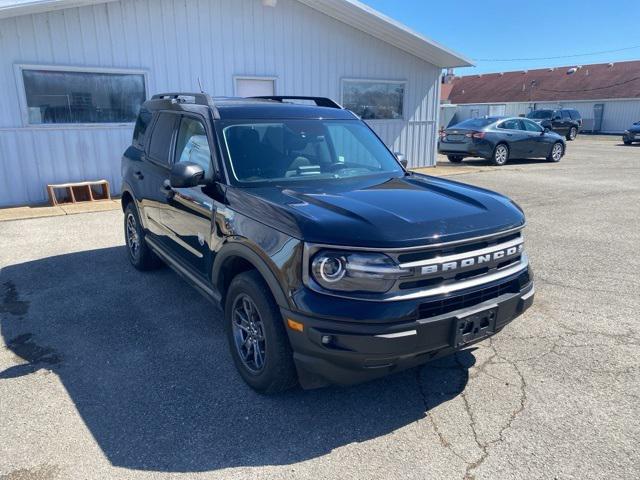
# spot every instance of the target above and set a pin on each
(319, 101)
(198, 98)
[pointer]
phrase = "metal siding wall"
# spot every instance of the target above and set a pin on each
(178, 41)
(618, 115)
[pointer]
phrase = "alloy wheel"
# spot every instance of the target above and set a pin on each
(501, 154)
(248, 333)
(133, 239)
(573, 133)
(556, 153)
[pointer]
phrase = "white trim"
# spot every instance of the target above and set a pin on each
(404, 83)
(18, 68)
(255, 77)
(350, 12)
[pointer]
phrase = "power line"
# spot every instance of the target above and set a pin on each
(554, 58)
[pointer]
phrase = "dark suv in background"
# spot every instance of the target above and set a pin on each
(565, 121)
(331, 261)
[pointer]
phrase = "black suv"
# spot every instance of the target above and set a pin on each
(331, 261)
(566, 121)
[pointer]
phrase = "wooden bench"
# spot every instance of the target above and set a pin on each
(79, 192)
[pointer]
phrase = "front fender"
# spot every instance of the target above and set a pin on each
(274, 266)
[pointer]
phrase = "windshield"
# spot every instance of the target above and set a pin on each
(540, 114)
(290, 150)
(475, 123)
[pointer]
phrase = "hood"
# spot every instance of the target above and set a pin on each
(389, 212)
(634, 128)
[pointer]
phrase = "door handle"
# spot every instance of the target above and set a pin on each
(138, 175)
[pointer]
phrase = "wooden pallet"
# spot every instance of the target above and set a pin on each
(79, 192)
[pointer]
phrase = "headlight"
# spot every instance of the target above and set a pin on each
(626, 132)
(355, 272)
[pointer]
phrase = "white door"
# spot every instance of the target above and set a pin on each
(497, 110)
(255, 87)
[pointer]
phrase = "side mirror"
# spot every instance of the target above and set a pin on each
(186, 174)
(557, 117)
(401, 158)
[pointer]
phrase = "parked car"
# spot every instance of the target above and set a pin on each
(565, 121)
(632, 134)
(331, 261)
(500, 138)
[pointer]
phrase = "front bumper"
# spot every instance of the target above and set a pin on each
(348, 352)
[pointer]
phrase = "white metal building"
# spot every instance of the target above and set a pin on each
(74, 72)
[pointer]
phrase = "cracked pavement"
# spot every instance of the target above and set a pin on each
(112, 374)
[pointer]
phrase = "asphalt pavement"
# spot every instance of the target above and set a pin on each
(109, 373)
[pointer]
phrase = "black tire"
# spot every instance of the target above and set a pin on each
(500, 155)
(572, 134)
(278, 372)
(556, 153)
(455, 158)
(627, 142)
(139, 253)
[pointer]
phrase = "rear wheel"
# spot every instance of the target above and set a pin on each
(500, 155)
(455, 158)
(573, 133)
(556, 152)
(257, 338)
(140, 254)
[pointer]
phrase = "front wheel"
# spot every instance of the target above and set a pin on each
(556, 152)
(257, 338)
(573, 133)
(140, 254)
(500, 155)
(455, 158)
(627, 142)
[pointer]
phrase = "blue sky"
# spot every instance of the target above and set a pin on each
(530, 29)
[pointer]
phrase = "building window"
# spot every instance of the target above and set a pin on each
(255, 86)
(71, 96)
(374, 99)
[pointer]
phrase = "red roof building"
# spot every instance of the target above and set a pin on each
(615, 85)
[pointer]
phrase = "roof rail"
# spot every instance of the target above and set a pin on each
(198, 98)
(319, 101)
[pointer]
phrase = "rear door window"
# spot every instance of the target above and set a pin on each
(161, 138)
(565, 115)
(575, 115)
(511, 124)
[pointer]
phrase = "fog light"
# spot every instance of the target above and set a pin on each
(326, 339)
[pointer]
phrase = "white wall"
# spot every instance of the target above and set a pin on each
(618, 115)
(176, 41)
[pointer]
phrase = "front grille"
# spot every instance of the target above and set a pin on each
(451, 304)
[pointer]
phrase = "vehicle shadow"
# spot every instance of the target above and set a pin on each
(145, 361)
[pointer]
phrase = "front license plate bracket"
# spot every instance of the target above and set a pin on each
(474, 326)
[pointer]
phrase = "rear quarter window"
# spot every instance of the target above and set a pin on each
(161, 137)
(140, 130)
(575, 115)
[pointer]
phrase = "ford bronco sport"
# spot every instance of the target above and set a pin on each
(331, 261)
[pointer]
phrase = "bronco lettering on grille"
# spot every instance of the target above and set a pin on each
(484, 260)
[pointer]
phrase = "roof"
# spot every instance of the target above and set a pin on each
(238, 108)
(351, 12)
(588, 82)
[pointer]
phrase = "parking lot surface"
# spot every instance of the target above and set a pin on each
(109, 373)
